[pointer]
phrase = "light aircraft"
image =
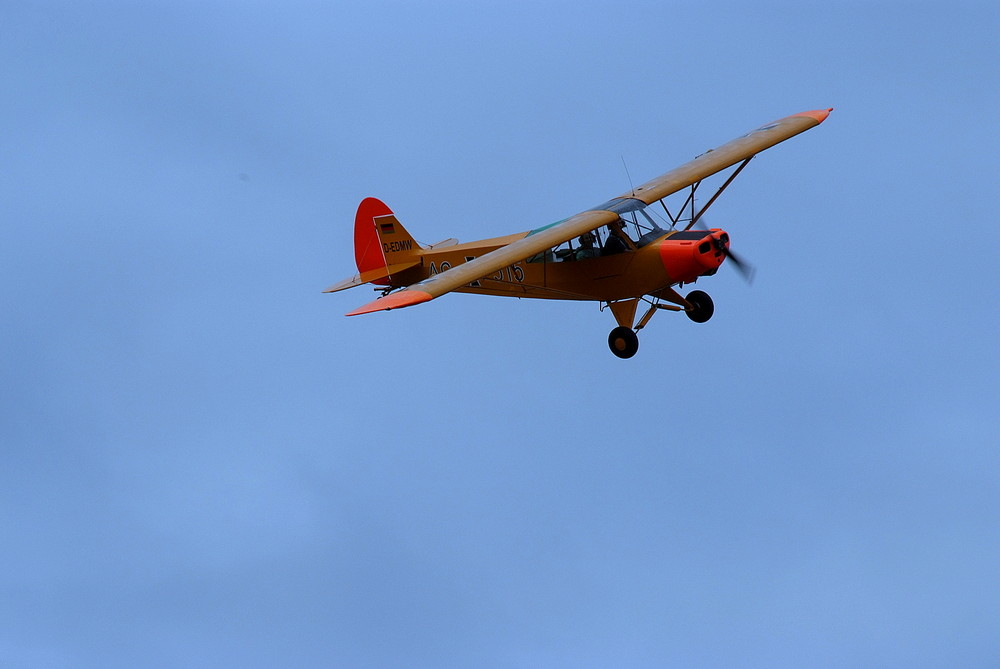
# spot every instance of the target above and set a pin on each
(622, 255)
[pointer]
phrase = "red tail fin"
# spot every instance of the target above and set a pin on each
(382, 246)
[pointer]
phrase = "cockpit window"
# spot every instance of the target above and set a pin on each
(586, 246)
(616, 237)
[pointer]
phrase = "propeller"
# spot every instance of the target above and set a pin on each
(746, 270)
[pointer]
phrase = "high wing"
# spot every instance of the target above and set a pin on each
(692, 172)
(727, 155)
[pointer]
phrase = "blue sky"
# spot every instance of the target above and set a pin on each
(206, 464)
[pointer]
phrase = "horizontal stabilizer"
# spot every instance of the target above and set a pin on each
(345, 284)
(451, 241)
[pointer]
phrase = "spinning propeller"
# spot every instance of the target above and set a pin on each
(745, 269)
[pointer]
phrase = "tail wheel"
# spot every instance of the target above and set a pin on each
(623, 342)
(702, 304)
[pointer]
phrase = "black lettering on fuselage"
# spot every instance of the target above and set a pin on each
(396, 247)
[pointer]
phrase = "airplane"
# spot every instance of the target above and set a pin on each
(622, 256)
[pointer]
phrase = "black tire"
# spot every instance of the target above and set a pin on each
(703, 306)
(623, 342)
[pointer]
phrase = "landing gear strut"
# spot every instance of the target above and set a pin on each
(623, 342)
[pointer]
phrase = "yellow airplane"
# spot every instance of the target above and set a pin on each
(622, 256)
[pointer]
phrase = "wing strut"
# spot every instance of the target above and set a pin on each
(736, 172)
(688, 201)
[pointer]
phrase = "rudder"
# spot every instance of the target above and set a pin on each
(382, 246)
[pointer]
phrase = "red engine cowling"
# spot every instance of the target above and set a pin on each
(688, 254)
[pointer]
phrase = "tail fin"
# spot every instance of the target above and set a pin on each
(382, 246)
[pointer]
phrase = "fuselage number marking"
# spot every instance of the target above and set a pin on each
(510, 273)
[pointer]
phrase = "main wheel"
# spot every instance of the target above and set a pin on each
(703, 306)
(623, 342)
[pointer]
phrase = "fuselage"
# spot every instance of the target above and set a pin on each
(675, 257)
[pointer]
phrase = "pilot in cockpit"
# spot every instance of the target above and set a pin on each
(618, 241)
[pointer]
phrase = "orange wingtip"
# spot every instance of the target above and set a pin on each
(403, 298)
(818, 114)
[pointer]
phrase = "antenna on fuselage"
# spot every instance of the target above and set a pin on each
(629, 176)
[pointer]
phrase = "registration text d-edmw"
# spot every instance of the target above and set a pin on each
(395, 247)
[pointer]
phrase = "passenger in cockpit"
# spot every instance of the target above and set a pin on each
(587, 248)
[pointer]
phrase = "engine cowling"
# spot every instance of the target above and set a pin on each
(689, 254)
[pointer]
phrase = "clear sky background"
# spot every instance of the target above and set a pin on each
(205, 464)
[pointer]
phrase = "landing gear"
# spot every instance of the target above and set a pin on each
(623, 342)
(702, 306)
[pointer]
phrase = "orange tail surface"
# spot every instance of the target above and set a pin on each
(382, 246)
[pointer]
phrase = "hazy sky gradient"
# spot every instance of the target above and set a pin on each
(205, 464)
